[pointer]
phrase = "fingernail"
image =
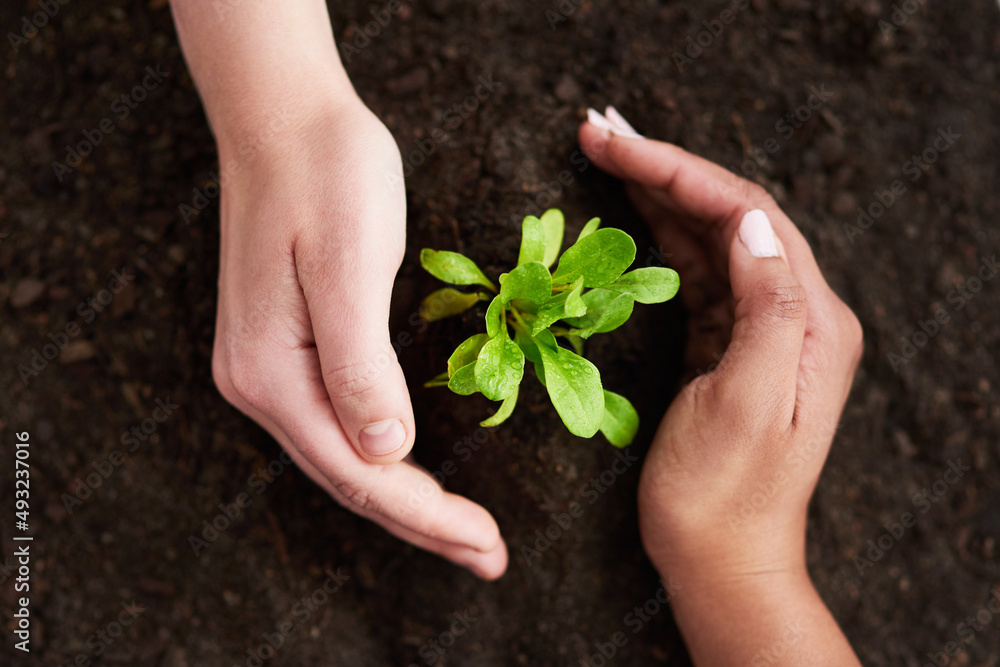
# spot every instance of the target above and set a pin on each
(597, 120)
(382, 438)
(758, 235)
(619, 125)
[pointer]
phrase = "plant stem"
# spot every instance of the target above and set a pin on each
(518, 322)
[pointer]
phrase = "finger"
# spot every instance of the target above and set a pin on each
(487, 565)
(348, 307)
(758, 376)
(703, 285)
(830, 356)
(708, 199)
(400, 493)
(711, 201)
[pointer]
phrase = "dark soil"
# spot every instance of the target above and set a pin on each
(130, 538)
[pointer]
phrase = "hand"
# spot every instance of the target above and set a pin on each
(313, 232)
(724, 490)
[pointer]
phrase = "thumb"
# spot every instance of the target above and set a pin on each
(361, 374)
(368, 392)
(758, 375)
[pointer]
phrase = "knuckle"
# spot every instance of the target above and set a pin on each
(853, 334)
(355, 380)
(755, 196)
(220, 375)
(842, 330)
(356, 496)
(239, 376)
(783, 298)
(700, 395)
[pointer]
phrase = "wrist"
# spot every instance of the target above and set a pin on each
(737, 573)
(704, 586)
(265, 62)
(278, 117)
(723, 555)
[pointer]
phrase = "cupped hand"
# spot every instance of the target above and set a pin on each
(313, 232)
(725, 487)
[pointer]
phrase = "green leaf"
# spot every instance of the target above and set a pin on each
(596, 301)
(532, 241)
(574, 385)
(567, 303)
(547, 339)
(506, 409)
(463, 381)
(528, 347)
(621, 421)
(589, 228)
(495, 316)
(531, 281)
(554, 225)
(577, 343)
(499, 368)
(614, 315)
(524, 306)
(466, 353)
(453, 268)
(446, 302)
(575, 305)
(540, 372)
(652, 284)
(599, 257)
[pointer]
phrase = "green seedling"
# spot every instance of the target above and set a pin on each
(588, 293)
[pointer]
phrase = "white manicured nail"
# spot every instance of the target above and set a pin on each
(619, 125)
(758, 235)
(597, 120)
